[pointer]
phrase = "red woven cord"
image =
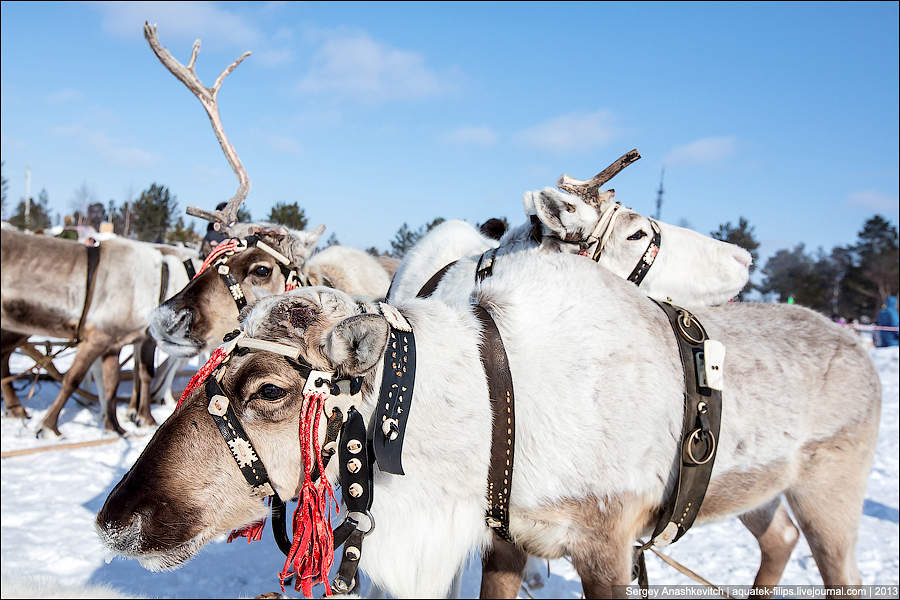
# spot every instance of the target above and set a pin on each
(200, 376)
(312, 551)
(218, 251)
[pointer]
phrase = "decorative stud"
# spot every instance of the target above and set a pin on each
(354, 446)
(354, 465)
(351, 552)
(218, 404)
(355, 490)
(390, 429)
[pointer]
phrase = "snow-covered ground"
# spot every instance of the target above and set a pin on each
(49, 501)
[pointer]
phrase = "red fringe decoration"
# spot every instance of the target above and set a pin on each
(253, 532)
(312, 551)
(200, 376)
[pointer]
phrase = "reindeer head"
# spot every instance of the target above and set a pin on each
(689, 268)
(186, 488)
(200, 314)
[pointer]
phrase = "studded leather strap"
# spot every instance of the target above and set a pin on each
(640, 270)
(394, 400)
(700, 430)
(221, 410)
(503, 430)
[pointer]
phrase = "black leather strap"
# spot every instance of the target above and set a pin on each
(394, 401)
(640, 270)
(700, 428)
(503, 429)
(233, 286)
(189, 268)
(431, 285)
(485, 267)
(93, 259)
(245, 455)
(163, 281)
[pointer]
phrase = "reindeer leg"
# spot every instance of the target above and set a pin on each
(8, 343)
(827, 500)
(777, 535)
(144, 417)
(88, 351)
(111, 374)
(135, 383)
(502, 569)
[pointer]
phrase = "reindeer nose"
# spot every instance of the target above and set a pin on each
(744, 258)
(119, 519)
(182, 321)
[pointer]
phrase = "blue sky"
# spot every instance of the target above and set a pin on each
(370, 115)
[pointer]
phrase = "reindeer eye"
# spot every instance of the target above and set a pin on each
(270, 391)
(637, 235)
(262, 271)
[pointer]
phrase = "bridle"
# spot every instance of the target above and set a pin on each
(359, 448)
(222, 253)
(602, 233)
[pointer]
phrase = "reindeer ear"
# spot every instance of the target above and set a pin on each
(300, 244)
(528, 202)
(355, 345)
(550, 205)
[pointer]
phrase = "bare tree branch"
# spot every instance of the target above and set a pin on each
(589, 190)
(207, 96)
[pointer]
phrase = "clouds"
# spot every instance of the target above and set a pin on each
(572, 131)
(184, 21)
(114, 151)
(874, 200)
(64, 96)
(704, 150)
(476, 136)
(353, 65)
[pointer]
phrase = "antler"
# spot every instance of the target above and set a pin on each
(590, 189)
(208, 98)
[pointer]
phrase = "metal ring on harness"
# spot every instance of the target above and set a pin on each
(686, 321)
(711, 446)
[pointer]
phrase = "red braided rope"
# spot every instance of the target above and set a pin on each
(216, 253)
(200, 376)
(312, 551)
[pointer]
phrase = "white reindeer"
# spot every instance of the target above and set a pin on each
(689, 269)
(599, 402)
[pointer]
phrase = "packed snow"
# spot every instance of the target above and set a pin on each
(50, 499)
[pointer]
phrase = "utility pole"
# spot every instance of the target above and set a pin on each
(659, 194)
(27, 197)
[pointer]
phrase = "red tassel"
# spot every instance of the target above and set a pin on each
(253, 532)
(312, 551)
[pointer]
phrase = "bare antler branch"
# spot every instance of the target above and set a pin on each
(589, 190)
(208, 98)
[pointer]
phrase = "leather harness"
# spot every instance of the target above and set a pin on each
(701, 360)
(93, 259)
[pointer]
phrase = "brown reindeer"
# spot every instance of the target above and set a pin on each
(205, 310)
(43, 293)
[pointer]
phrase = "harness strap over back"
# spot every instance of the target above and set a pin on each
(503, 427)
(431, 285)
(93, 259)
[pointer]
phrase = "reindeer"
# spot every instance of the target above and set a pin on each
(205, 310)
(593, 361)
(688, 268)
(43, 293)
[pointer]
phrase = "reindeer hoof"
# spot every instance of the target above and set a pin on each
(114, 427)
(17, 412)
(46, 432)
(146, 421)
